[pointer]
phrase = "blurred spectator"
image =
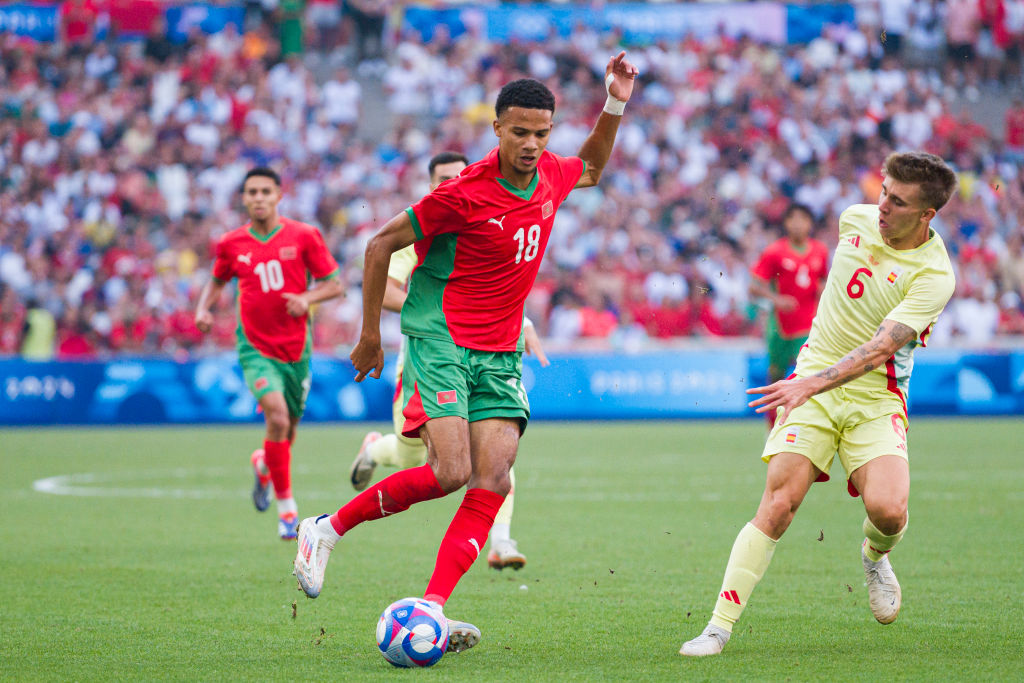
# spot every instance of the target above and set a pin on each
(121, 165)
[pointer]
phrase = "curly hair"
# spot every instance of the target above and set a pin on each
(526, 93)
(929, 172)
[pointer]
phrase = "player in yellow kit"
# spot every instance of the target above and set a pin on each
(396, 450)
(890, 279)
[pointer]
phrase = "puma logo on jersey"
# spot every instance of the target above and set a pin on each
(497, 222)
(246, 258)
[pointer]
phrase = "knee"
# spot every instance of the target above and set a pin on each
(452, 472)
(499, 482)
(889, 516)
(278, 425)
(778, 512)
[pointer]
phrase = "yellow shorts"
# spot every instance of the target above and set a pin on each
(859, 426)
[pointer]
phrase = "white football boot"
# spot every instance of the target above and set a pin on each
(884, 593)
(363, 466)
(505, 554)
(709, 642)
(315, 545)
(461, 636)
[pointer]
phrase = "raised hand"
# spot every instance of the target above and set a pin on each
(619, 77)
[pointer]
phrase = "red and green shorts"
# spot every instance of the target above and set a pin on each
(441, 379)
(264, 375)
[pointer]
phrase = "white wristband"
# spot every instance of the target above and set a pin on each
(612, 106)
(527, 322)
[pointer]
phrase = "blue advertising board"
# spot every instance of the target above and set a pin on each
(38, 22)
(599, 386)
(636, 22)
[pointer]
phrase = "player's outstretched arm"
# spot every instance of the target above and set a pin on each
(367, 356)
(597, 148)
(209, 295)
(791, 393)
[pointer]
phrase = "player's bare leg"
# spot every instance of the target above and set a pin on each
(277, 456)
(789, 478)
(492, 446)
(884, 485)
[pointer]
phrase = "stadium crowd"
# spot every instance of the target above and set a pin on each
(120, 165)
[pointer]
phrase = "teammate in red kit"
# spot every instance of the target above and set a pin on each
(274, 259)
(479, 242)
(790, 273)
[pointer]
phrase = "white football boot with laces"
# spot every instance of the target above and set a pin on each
(315, 545)
(884, 593)
(709, 642)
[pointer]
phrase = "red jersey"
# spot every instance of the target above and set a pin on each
(267, 267)
(479, 244)
(798, 274)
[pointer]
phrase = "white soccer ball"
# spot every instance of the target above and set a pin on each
(412, 632)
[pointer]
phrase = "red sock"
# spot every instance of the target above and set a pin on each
(389, 496)
(278, 456)
(466, 535)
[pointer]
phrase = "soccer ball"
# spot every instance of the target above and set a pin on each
(412, 632)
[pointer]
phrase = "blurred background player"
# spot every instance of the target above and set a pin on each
(274, 259)
(396, 450)
(790, 274)
(480, 239)
(890, 279)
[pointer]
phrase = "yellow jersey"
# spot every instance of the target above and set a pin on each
(402, 264)
(870, 282)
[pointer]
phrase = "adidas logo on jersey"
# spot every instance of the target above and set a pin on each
(855, 240)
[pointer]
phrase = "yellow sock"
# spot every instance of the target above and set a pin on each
(398, 451)
(750, 556)
(877, 544)
(504, 515)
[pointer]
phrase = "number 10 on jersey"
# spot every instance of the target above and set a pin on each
(270, 274)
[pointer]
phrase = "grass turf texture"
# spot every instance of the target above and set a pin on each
(627, 528)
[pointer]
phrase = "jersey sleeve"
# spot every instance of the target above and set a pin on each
(446, 209)
(223, 265)
(402, 263)
(928, 295)
(765, 267)
(318, 259)
(572, 169)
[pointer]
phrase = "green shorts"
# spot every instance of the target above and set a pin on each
(858, 425)
(442, 379)
(782, 351)
(264, 375)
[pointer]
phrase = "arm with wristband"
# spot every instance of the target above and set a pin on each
(597, 148)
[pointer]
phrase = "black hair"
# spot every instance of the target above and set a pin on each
(526, 93)
(445, 158)
(797, 207)
(261, 172)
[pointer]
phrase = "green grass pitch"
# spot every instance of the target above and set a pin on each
(156, 566)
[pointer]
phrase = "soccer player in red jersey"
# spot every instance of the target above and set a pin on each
(479, 242)
(790, 273)
(274, 259)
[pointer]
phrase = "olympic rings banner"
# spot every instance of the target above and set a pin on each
(579, 386)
